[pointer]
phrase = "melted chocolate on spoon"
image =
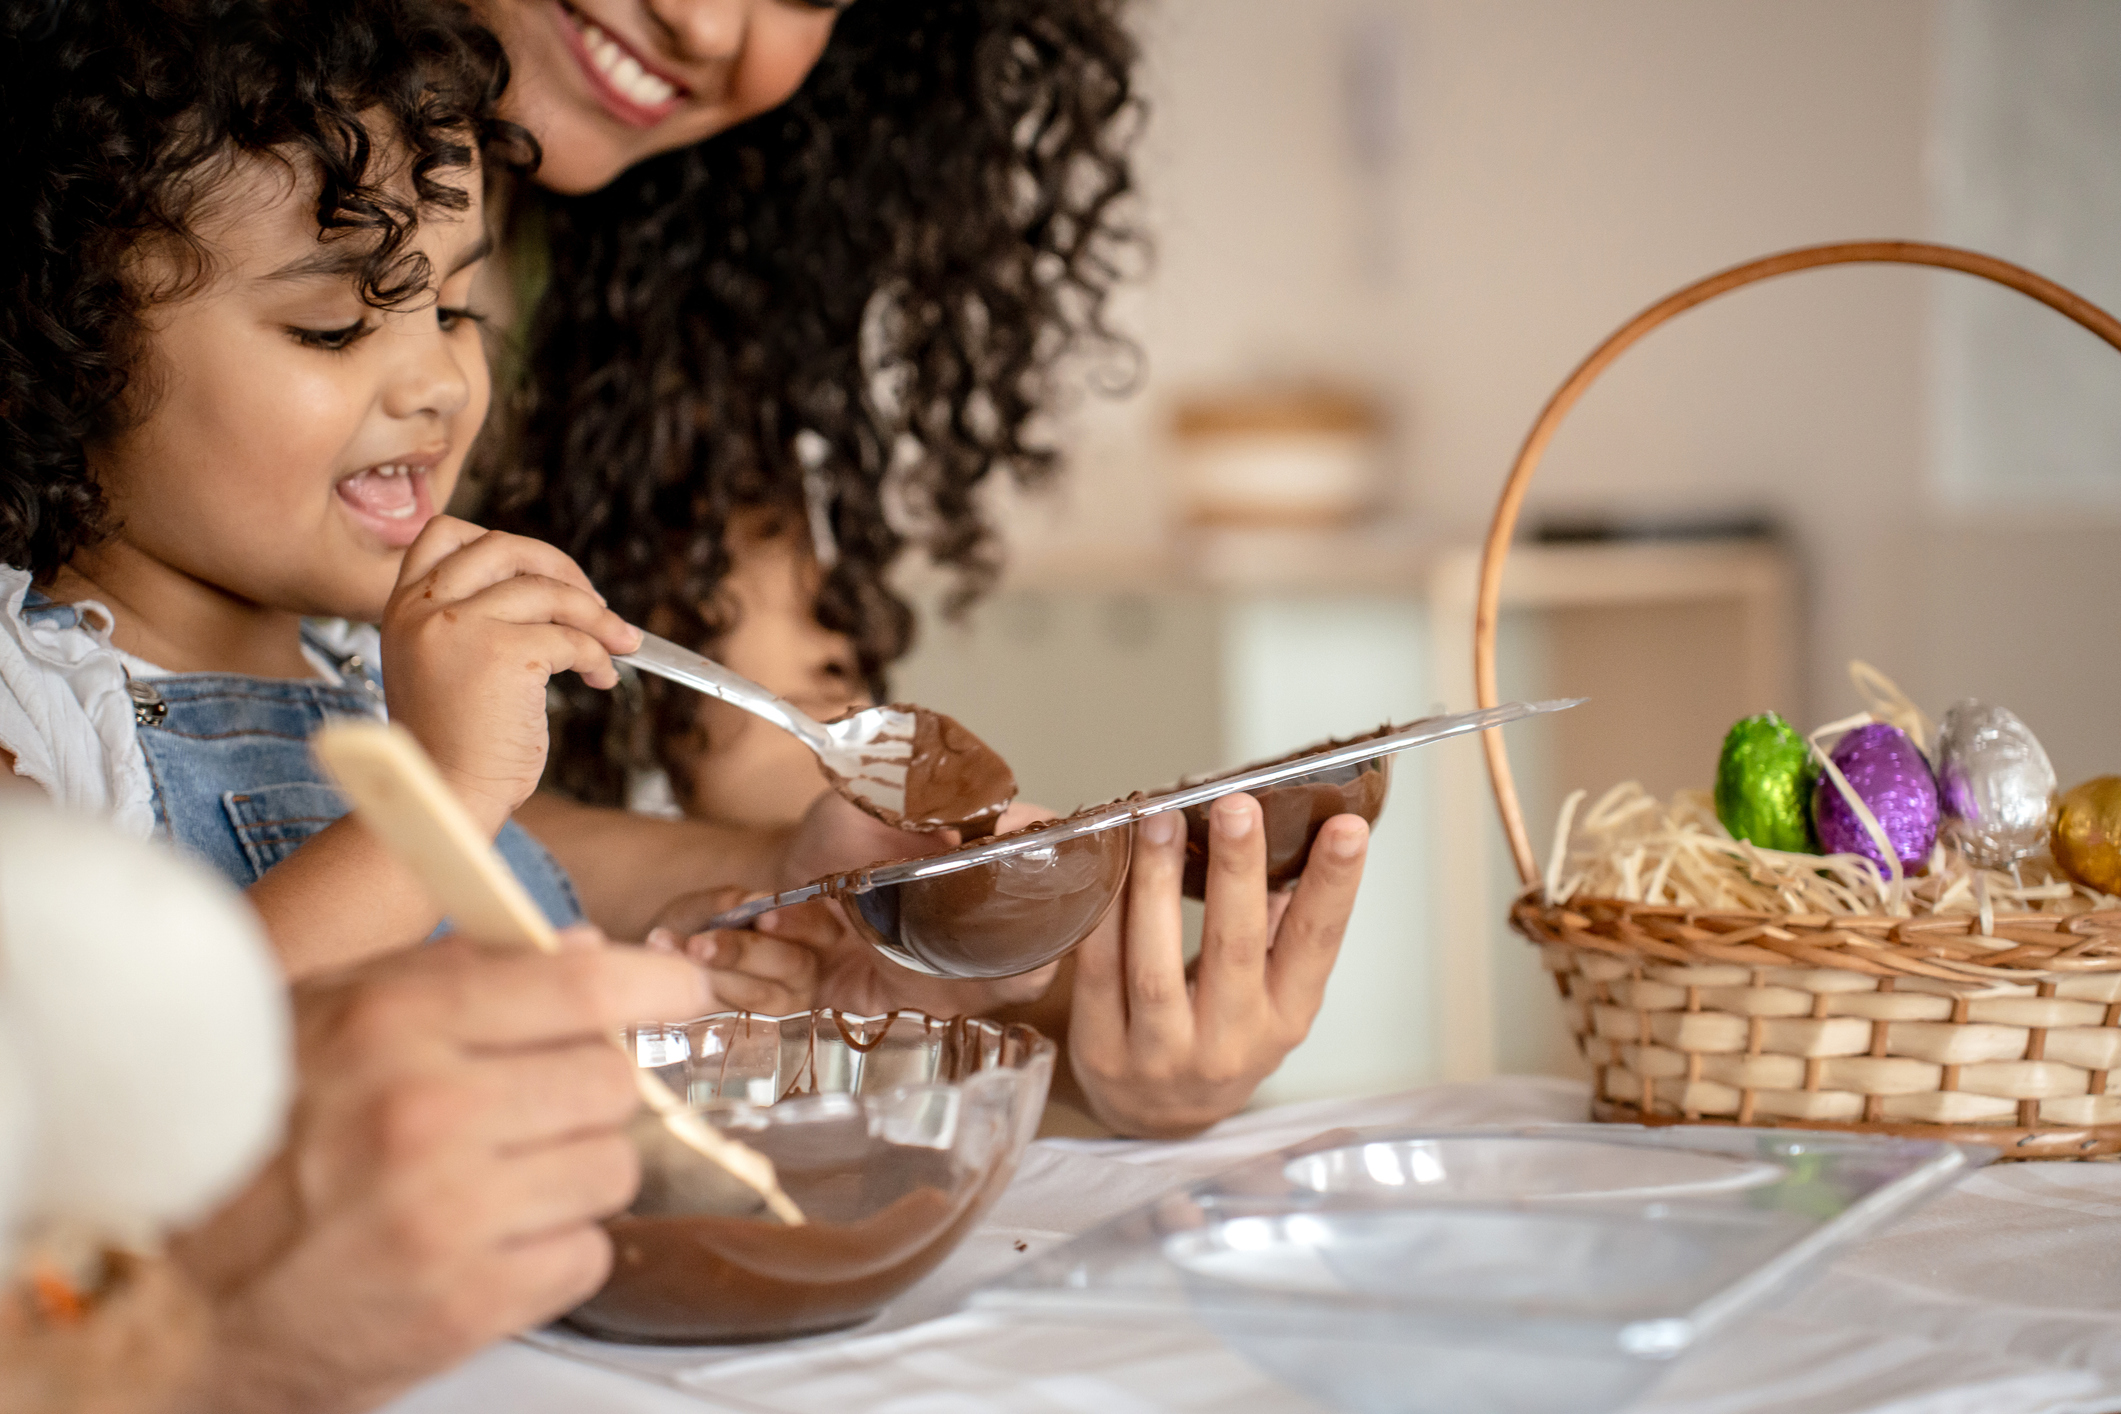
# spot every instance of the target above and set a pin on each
(954, 781)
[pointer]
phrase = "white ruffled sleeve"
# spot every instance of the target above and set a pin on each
(66, 715)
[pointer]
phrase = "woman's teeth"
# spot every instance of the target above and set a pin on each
(620, 69)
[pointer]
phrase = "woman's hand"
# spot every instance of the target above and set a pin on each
(458, 1131)
(1161, 1055)
(477, 624)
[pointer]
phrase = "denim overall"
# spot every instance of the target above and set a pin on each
(235, 783)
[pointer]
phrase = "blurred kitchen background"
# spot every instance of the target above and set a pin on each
(1385, 231)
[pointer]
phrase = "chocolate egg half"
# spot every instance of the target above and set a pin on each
(1764, 784)
(1891, 777)
(2087, 840)
(1996, 784)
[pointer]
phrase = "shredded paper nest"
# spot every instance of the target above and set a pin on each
(1633, 847)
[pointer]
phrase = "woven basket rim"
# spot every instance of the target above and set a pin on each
(2027, 947)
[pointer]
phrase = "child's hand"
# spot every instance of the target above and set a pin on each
(477, 624)
(1161, 1055)
(750, 971)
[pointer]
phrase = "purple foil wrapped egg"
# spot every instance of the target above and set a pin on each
(1892, 778)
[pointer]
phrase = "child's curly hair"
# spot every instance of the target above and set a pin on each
(117, 120)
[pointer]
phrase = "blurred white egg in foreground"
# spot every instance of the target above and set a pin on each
(147, 1022)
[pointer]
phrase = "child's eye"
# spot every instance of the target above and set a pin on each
(332, 340)
(450, 318)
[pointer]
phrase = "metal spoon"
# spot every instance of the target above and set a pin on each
(868, 754)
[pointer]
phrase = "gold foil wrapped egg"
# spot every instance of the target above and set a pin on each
(2087, 840)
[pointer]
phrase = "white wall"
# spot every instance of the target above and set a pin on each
(1560, 165)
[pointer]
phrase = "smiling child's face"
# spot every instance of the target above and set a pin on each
(295, 439)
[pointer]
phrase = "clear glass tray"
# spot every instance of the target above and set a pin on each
(1507, 1271)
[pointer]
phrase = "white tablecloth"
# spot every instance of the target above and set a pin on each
(2003, 1296)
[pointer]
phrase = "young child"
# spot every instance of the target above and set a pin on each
(239, 381)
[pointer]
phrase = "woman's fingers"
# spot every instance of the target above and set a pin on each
(549, 1096)
(1307, 940)
(1234, 938)
(485, 998)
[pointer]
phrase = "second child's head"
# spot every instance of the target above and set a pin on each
(238, 239)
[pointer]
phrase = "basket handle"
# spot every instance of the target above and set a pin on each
(1606, 354)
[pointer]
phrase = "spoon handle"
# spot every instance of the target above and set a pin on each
(664, 659)
(399, 796)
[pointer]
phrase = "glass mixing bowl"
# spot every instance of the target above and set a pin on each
(894, 1134)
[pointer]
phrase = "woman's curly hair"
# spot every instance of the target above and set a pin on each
(851, 307)
(118, 118)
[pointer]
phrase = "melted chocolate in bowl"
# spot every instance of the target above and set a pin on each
(879, 1222)
(893, 1134)
(994, 919)
(1294, 811)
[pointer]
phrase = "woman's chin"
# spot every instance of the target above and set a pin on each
(580, 171)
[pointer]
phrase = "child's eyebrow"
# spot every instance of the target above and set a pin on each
(341, 261)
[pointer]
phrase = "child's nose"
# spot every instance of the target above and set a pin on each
(429, 381)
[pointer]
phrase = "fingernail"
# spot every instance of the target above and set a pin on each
(1347, 842)
(708, 951)
(767, 923)
(1159, 830)
(660, 940)
(1232, 820)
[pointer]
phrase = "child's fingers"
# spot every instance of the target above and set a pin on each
(537, 599)
(687, 914)
(1159, 1011)
(749, 972)
(740, 991)
(555, 650)
(493, 557)
(437, 541)
(816, 924)
(1233, 947)
(1307, 937)
(791, 965)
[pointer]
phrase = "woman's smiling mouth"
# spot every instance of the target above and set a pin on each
(630, 89)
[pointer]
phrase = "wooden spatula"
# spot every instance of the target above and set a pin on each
(399, 796)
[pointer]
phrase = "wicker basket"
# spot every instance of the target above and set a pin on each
(1923, 1026)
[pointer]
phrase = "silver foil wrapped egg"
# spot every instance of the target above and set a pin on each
(1997, 786)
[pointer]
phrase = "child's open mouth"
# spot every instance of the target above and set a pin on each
(390, 501)
(623, 81)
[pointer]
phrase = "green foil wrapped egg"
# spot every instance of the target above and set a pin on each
(1764, 785)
